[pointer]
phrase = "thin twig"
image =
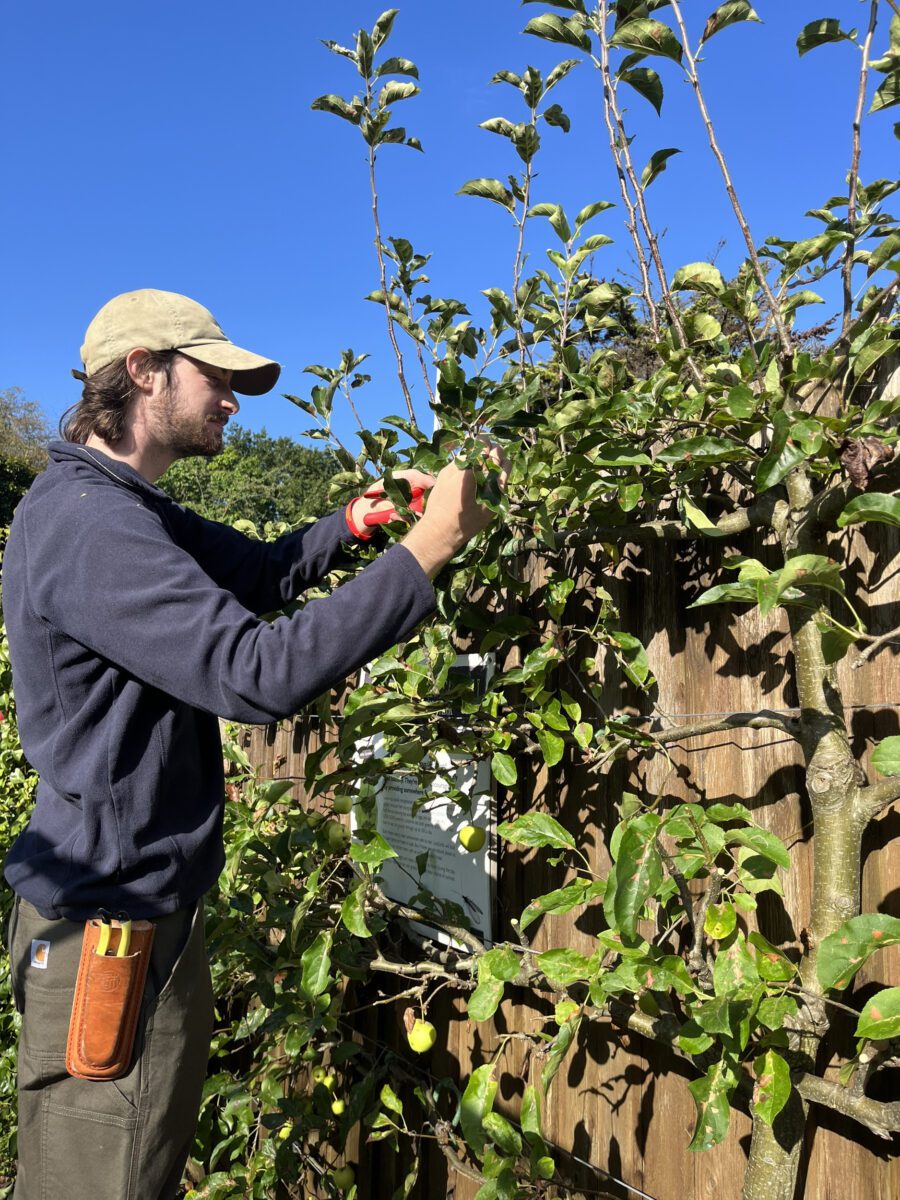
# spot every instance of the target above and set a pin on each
(853, 177)
(784, 336)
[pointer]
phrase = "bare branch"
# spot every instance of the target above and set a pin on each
(761, 720)
(631, 223)
(853, 177)
(875, 645)
(376, 897)
(784, 336)
(881, 1117)
(872, 800)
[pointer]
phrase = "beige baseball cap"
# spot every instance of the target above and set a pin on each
(158, 320)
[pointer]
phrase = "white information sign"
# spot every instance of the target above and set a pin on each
(431, 837)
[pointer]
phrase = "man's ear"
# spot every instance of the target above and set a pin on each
(136, 365)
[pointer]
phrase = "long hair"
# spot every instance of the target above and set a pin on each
(105, 397)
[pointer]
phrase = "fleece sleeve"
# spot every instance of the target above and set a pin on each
(264, 576)
(113, 580)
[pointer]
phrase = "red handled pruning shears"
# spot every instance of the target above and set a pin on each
(416, 505)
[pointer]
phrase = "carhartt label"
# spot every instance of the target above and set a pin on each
(40, 953)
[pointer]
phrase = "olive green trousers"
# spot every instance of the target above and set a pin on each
(126, 1139)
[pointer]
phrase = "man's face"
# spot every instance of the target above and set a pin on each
(189, 417)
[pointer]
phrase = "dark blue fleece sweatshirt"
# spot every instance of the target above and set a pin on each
(133, 625)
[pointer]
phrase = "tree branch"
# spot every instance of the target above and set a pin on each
(872, 800)
(760, 720)
(881, 1117)
(376, 897)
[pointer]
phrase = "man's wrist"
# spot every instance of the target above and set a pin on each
(432, 552)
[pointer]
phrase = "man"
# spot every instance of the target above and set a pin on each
(133, 626)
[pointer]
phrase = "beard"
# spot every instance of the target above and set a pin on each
(188, 434)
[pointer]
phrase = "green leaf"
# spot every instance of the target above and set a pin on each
(476, 1103)
(762, 841)
(554, 115)
(552, 746)
(397, 66)
(702, 449)
(639, 871)
(648, 36)
(562, 900)
(563, 967)
(553, 28)
(713, 1110)
(591, 210)
(656, 165)
(873, 506)
(502, 1134)
(559, 1047)
(888, 94)
(734, 970)
(339, 108)
(383, 27)
(727, 593)
(502, 963)
(725, 15)
(503, 768)
(486, 997)
(530, 1116)
(886, 756)
(353, 912)
(489, 189)
(818, 33)
(781, 457)
(843, 952)
(773, 1087)
(646, 83)
(721, 920)
(701, 327)
(536, 829)
(880, 1019)
(557, 219)
(699, 277)
(773, 966)
(316, 964)
(373, 853)
(395, 91)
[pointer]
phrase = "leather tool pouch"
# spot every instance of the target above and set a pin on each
(108, 994)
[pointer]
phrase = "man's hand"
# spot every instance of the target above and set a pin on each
(452, 516)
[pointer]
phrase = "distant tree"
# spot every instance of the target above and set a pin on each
(24, 434)
(256, 478)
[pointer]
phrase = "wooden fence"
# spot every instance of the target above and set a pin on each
(619, 1110)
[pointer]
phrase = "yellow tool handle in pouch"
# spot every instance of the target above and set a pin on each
(112, 972)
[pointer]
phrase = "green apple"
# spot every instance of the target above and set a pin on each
(336, 834)
(472, 838)
(328, 1081)
(343, 1177)
(319, 1074)
(422, 1036)
(338, 1106)
(342, 804)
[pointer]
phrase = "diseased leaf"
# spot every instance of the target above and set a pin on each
(762, 841)
(339, 108)
(880, 1019)
(713, 1110)
(842, 953)
(639, 871)
(773, 1086)
(563, 967)
(725, 15)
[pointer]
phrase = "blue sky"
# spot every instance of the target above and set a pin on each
(172, 145)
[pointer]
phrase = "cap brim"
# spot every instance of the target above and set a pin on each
(252, 375)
